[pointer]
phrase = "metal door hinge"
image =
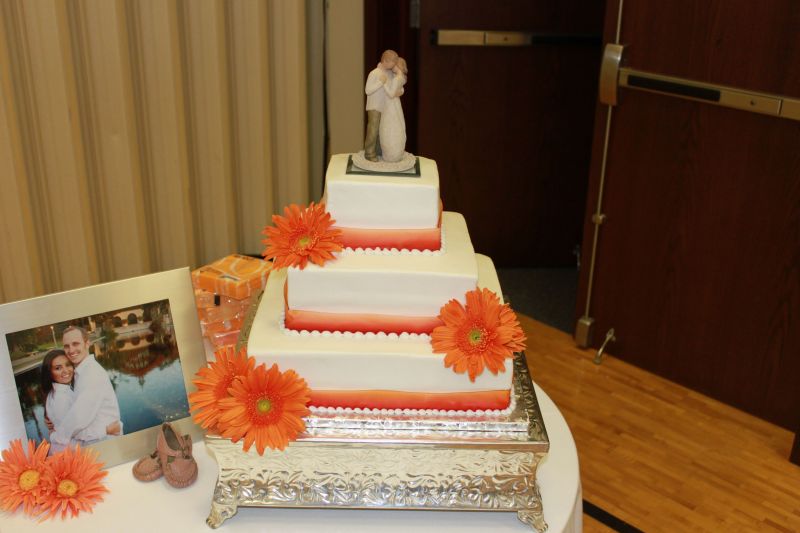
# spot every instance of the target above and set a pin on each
(598, 218)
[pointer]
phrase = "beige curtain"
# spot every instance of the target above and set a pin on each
(144, 135)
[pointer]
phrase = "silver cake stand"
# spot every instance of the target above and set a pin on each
(362, 461)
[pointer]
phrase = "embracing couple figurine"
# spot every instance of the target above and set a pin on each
(386, 127)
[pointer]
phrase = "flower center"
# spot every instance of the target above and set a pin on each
(28, 479)
(304, 241)
(67, 487)
(263, 406)
(475, 336)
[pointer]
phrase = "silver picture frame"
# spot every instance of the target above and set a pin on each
(174, 286)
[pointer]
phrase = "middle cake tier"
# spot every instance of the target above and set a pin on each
(383, 290)
(373, 370)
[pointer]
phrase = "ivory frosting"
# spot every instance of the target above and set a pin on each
(389, 283)
(364, 362)
(382, 202)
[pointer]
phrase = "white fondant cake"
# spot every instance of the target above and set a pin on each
(402, 284)
(358, 328)
(331, 362)
(382, 202)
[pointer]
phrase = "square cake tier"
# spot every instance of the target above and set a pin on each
(382, 201)
(373, 370)
(389, 283)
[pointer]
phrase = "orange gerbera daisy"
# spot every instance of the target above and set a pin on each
(266, 408)
(213, 382)
(72, 483)
(300, 236)
(482, 334)
(21, 475)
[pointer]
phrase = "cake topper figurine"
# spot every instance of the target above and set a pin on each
(385, 141)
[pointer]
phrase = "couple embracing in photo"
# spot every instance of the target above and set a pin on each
(80, 404)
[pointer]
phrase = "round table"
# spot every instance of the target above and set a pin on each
(155, 507)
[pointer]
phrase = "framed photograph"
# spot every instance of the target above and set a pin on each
(102, 366)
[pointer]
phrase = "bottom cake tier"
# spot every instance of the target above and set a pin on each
(374, 371)
(373, 461)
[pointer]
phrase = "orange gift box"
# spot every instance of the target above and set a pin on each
(210, 328)
(204, 299)
(224, 338)
(236, 276)
(225, 309)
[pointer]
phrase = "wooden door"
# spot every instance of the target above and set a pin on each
(509, 126)
(698, 259)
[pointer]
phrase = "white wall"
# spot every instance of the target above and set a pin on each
(345, 73)
(318, 159)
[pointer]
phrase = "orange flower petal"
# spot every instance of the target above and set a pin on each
(284, 395)
(21, 474)
(72, 483)
(480, 335)
(300, 236)
(213, 382)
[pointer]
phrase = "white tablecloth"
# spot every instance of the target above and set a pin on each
(155, 507)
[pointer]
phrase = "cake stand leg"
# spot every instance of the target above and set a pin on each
(223, 506)
(534, 518)
(534, 514)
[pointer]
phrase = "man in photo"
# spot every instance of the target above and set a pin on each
(95, 404)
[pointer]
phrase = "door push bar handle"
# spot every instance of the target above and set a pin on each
(507, 38)
(612, 76)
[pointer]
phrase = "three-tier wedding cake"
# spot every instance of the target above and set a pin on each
(365, 312)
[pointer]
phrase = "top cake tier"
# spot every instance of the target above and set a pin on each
(361, 199)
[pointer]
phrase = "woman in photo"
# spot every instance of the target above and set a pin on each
(57, 389)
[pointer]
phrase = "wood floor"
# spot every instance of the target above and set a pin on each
(662, 457)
